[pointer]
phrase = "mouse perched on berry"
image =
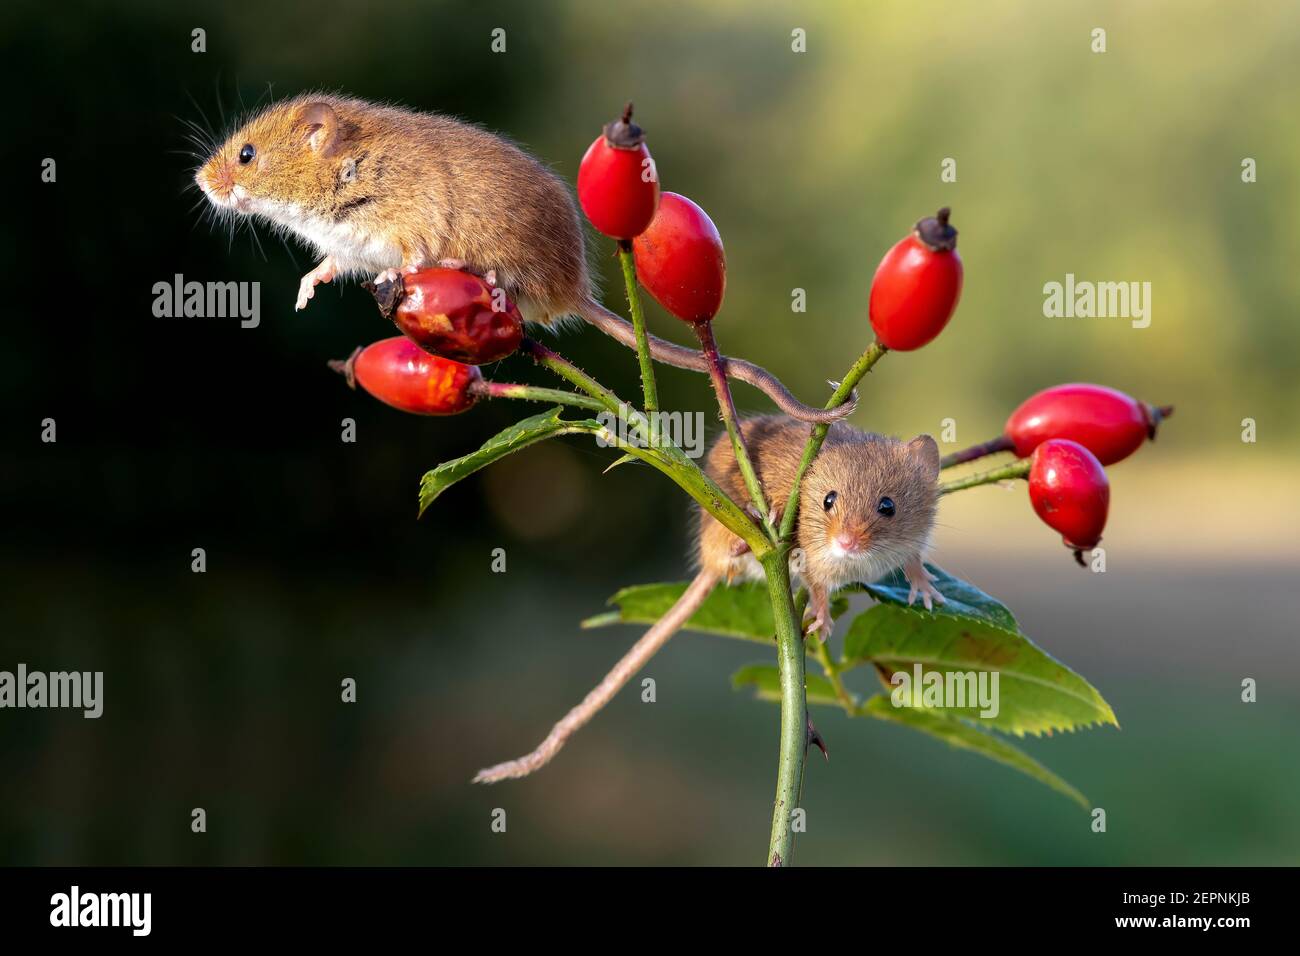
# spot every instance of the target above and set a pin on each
(379, 190)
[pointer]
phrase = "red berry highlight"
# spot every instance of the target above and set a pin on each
(1070, 492)
(1107, 422)
(917, 285)
(456, 315)
(618, 187)
(401, 374)
(680, 260)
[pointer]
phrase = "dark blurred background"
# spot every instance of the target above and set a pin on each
(222, 688)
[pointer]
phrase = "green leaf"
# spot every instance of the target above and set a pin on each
(766, 681)
(960, 734)
(742, 610)
(1036, 693)
(548, 424)
(961, 598)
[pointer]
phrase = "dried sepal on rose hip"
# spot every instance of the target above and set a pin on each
(680, 260)
(916, 286)
(1107, 422)
(454, 314)
(1069, 491)
(618, 187)
(401, 374)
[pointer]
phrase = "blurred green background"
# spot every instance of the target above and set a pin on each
(222, 689)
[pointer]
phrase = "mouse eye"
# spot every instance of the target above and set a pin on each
(886, 507)
(246, 154)
(829, 501)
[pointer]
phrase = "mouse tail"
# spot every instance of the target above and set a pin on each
(636, 658)
(679, 356)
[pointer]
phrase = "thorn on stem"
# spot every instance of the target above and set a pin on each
(816, 739)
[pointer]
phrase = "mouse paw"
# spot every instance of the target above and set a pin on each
(921, 583)
(461, 265)
(817, 617)
(307, 287)
(388, 275)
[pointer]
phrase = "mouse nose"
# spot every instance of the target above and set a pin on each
(849, 542)
(216, 178)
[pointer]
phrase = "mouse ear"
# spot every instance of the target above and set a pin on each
(926, 450)
(320, 126)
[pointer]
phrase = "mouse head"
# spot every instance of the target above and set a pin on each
(868, 506)
(290, 156)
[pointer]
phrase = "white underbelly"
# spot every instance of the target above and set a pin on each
(354, 250)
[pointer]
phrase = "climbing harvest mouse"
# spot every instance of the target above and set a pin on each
(867, 506)
(377, 190)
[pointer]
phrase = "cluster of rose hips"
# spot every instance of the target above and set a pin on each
(454, 321)
(1068, 433)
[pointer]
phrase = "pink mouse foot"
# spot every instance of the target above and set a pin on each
(460, 265)
(818, 618)
(921, 583)
(307, 287)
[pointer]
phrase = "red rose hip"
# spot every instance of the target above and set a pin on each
(456, 315)
(1107, 422)
(618, 187)
(1070, 492)
(680, 260)
(401, 374)
(917, 285)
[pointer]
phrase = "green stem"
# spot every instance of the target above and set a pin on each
(562, 367)
(842, 694)
(794, 705)
(674, 463)
(727, 410)
(535, 393)
(648, 386)
(1017, 469)
(665, 456)
(990, 447)
(850, 381)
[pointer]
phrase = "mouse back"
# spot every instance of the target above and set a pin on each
(379, 187)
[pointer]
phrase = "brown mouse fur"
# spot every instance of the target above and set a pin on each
(380, 189)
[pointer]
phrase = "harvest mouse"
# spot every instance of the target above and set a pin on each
(377, 190)
(866, 507)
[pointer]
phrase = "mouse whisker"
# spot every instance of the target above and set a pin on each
(216, 89)
(257, 241)
(207, 127)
